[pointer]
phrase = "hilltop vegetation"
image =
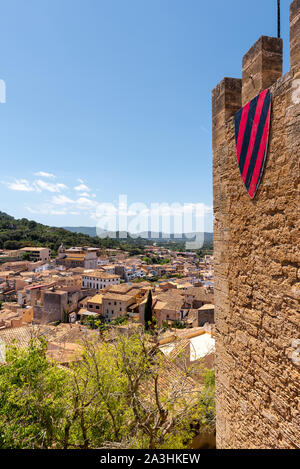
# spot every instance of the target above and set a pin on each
(15, 234)
(18, 233)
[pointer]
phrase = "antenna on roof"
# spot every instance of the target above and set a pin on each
(278, 18)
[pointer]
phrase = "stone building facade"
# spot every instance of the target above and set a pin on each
(55, 303)
(256, 249)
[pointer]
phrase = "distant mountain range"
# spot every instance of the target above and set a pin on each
(92, 231)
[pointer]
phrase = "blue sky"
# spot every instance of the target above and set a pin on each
(109, 97)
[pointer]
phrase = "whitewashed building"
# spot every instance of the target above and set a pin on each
(99, 280)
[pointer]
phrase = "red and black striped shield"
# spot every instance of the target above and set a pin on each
(252, 125)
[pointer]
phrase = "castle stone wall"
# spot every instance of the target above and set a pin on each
(256, 248)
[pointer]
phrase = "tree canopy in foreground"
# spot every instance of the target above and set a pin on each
(121, 393)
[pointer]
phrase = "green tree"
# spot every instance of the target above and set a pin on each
(12, 244)
(207, 401)
(26, 256)
(120, 392)
(145, 405)
(31, 398)
(178, 325)
(147, 259)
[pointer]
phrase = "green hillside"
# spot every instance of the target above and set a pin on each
(15, 234)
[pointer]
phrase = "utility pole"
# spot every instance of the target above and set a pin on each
(278, 18)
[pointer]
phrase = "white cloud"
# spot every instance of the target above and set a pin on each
(35, 186)
(82, 188)
(46, 209)
(31, 210)
(49, 186)
(43, 174)
(62, 205)
(20, 185)
(58, 212)
(61, 200)
(39, 209)
(84, 204)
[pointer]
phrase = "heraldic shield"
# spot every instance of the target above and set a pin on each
(252, 126)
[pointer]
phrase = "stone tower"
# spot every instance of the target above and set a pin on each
(256, 249)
